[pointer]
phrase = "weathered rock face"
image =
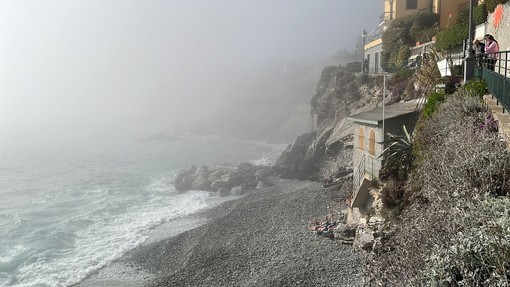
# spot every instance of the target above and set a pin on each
(224, 179)
(289, 163)
(338, 95)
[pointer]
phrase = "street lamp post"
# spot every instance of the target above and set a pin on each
(355, 53)
(364, 37)
(469, 61)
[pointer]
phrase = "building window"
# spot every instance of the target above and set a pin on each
(361, 139)
(371, 142)
(411, 4)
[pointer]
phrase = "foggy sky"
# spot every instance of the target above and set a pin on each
(71, 69)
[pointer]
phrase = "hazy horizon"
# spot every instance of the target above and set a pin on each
(82, 69)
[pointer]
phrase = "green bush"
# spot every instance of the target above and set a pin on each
(491, 4)
(433, 101)
(476, 87)
(451, 37)
(480, 14)
(405, 31)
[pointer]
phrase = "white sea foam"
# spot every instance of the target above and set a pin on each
(65, 214)
(109, 238)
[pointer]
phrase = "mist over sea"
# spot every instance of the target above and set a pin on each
(67, 212)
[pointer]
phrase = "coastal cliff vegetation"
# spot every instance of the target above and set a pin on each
(448, 220)
(444, 197)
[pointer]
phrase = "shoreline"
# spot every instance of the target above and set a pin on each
(258, 239)
(122, 273)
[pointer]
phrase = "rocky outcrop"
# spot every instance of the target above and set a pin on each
(289, 165)
(224, 179)
(316, 155)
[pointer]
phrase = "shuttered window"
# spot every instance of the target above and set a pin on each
(371, 142)
(361, 139)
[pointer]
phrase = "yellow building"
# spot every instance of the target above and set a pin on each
(448, 10)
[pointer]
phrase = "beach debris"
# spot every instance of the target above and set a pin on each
(324, 228)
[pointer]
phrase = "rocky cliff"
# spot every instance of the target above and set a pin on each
(326, 152)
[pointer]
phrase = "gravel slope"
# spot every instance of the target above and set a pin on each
(258, 240)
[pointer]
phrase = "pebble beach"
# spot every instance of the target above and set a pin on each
(259, 239)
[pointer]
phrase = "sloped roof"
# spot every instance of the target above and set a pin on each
(375, 116)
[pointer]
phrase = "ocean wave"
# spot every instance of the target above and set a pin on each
(104, 241)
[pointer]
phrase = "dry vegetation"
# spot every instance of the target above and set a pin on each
(452, 227)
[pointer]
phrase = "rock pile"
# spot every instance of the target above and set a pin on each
(224, 179)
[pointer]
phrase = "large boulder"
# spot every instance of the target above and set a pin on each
(184, 179)
(201, 182)
(222, 178)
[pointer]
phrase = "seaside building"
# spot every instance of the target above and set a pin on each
(369, 128)
(448, 10)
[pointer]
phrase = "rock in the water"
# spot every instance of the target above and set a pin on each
(218, 184)
(222, 177)
(184, 179)
(201, 183)
(223, 192)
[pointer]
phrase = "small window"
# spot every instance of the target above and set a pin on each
(371, 142)
(411, 4)
(361, 139)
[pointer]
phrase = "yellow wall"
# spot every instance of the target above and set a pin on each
(401, 11)
(374, 43)
(397, 9)
(452, 7)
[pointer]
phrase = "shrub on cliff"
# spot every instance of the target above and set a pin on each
(480, 14)
(457, 176)
(433, 102)
(404, 33)
(392, 193)
(477, 88)
(451, 37)
(479, 255)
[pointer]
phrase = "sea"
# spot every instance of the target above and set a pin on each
(67, 212)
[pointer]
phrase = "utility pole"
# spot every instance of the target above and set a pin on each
(364, 37)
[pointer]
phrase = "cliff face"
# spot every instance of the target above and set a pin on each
(326, 152)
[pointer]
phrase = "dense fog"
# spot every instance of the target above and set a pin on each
(83, 70)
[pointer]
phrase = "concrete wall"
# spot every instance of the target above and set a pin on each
(501, 32)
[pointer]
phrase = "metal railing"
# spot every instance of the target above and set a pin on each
(358, 176)
(494, 69)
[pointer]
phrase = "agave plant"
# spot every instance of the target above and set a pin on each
(398, 155)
